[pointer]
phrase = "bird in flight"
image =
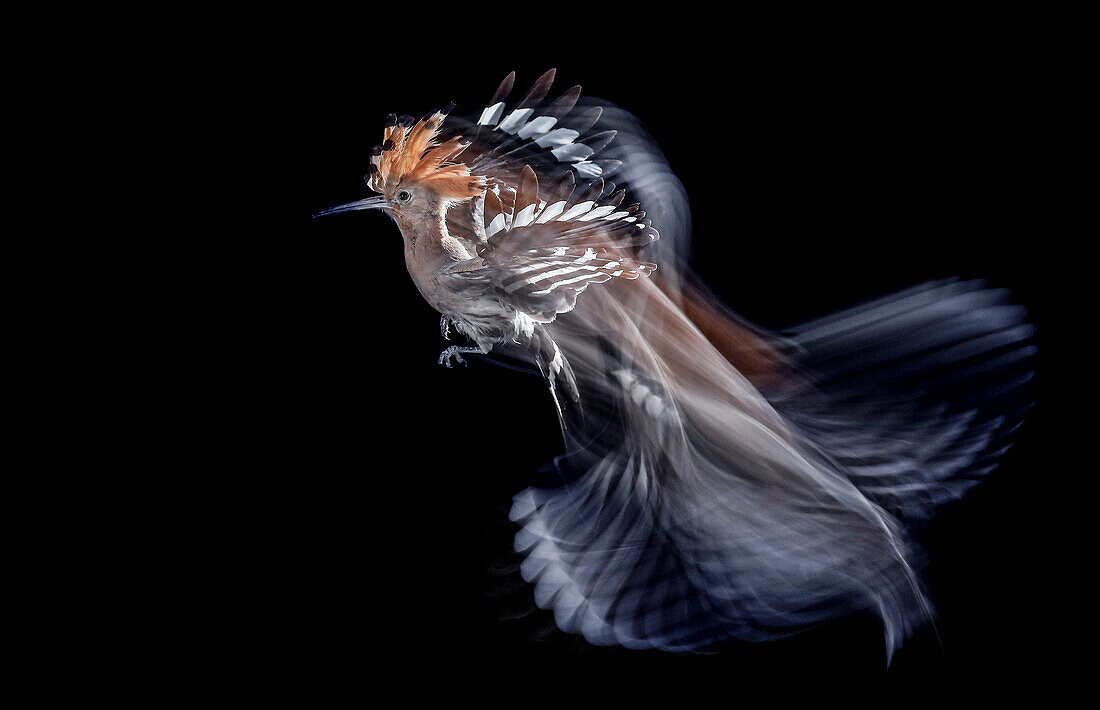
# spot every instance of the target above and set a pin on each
(719, 481)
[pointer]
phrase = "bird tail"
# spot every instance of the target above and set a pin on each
(697, 504)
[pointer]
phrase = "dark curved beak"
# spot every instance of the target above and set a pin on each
(369, 203)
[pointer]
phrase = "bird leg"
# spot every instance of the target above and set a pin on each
(445, 327)
(454, 354)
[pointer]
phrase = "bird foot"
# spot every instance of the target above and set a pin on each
(454, 354)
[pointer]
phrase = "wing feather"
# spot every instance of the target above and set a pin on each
(551, 224)
(543, 250)
(549, 136)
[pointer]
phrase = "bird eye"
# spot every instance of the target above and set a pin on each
(404, 196)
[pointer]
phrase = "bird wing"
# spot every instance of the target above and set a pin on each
(543, 250)
(553, 138)
(550, 137)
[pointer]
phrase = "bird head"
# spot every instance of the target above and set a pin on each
(415, 173)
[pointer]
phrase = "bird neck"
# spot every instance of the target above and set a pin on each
(428, 233)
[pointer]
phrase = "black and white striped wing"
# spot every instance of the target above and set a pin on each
(550, 136)
(547, 283)
(545, 250)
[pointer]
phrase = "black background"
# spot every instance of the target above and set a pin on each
(822, 169)
(240, 451)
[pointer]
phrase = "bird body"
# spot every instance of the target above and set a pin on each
(720, 481)
(494, 255)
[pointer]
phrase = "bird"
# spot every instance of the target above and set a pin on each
(720, 481)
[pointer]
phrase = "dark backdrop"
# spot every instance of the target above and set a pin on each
(820, 172)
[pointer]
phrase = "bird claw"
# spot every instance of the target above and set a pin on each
(453, 354)
(448, 359)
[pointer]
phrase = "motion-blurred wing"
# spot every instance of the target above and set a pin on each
(916, 392)
(698, 508)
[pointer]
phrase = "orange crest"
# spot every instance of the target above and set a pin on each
(411, 155)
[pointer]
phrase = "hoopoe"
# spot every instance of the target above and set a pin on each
(721, 481)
